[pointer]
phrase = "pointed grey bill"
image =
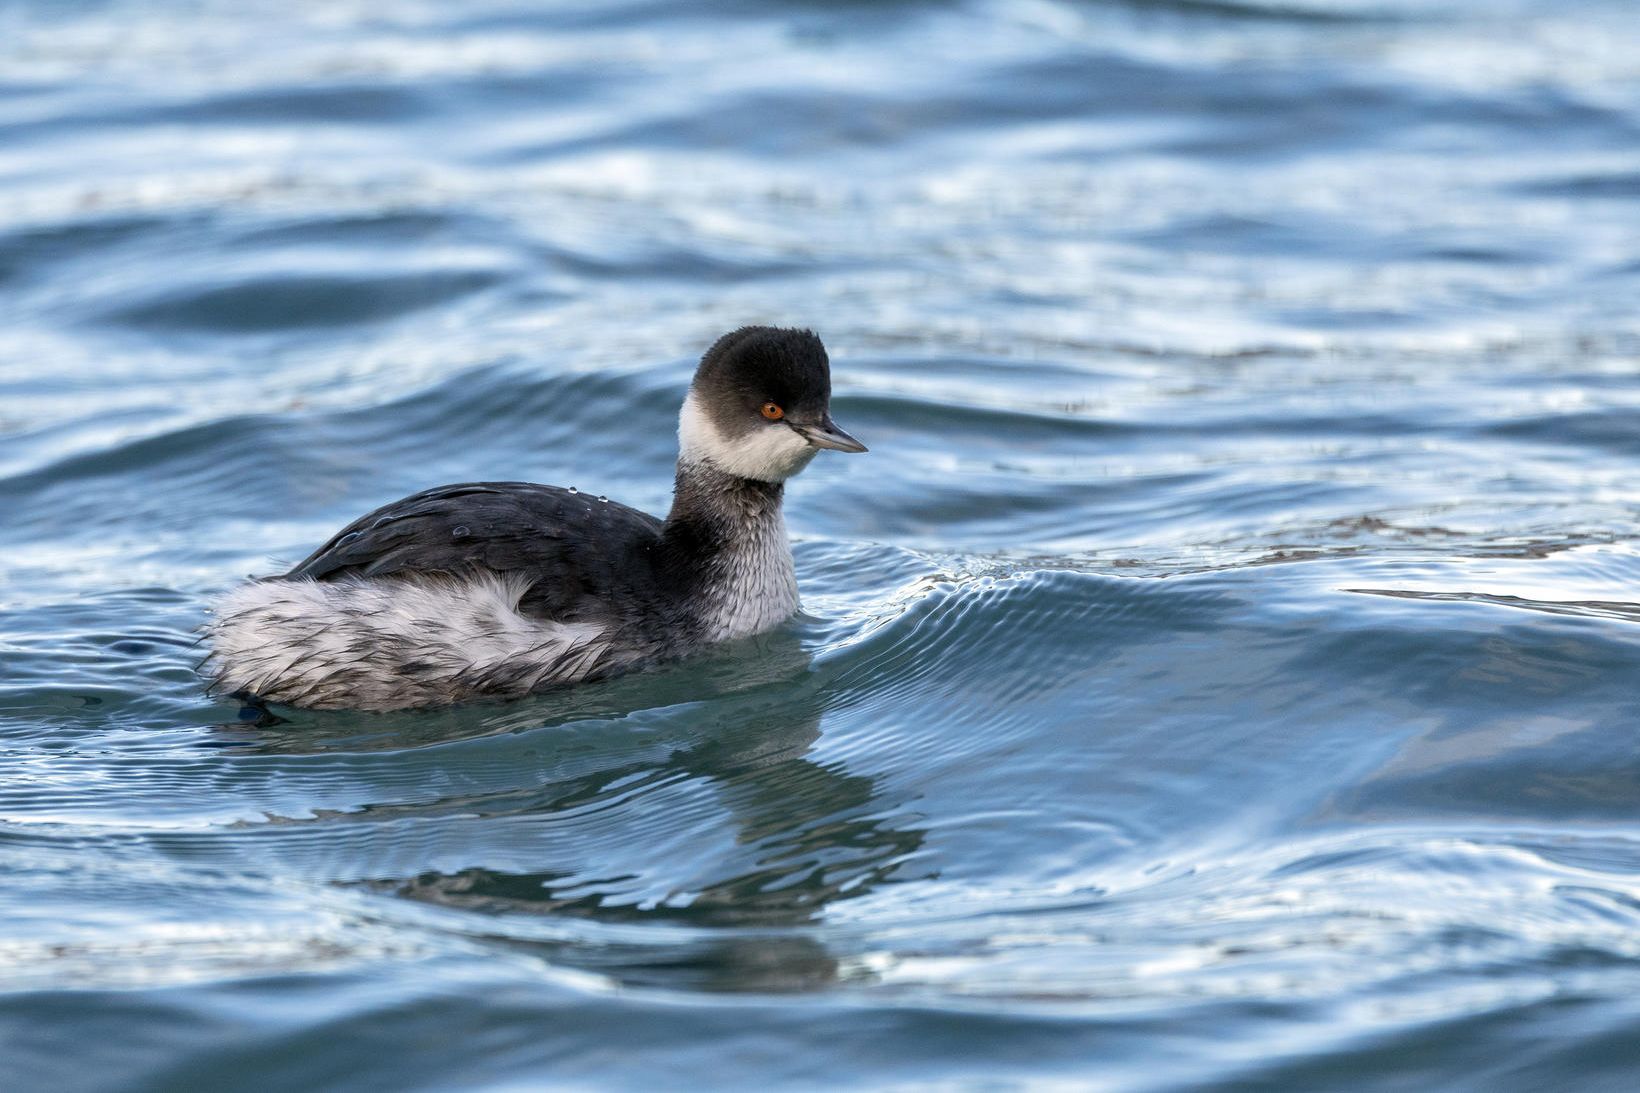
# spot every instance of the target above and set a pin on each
(827, 435)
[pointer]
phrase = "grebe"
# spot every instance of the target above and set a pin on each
(500, 589)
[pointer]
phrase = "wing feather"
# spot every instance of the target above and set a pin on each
(576, 547)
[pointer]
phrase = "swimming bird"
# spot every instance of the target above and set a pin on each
(501, 589)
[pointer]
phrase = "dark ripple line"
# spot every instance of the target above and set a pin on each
(1599, 609)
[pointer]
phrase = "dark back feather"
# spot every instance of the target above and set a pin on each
(585, 555)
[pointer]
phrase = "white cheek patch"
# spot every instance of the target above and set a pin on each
(770, 453)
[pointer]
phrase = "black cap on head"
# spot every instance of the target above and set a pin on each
(758, 364)
(760, 406)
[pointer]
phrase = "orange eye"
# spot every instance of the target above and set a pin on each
(772, 411)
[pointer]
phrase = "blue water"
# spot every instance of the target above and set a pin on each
(1221, 672)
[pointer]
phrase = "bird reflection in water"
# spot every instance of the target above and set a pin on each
(817, 833)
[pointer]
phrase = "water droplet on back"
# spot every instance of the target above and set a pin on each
(604, 499)
(572, 489)
(459, 531)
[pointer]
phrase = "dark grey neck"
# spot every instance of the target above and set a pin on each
(712, 508)
(726, 538)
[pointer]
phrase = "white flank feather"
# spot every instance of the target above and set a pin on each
(383, 644)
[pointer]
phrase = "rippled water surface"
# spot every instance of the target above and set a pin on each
(1221, 671)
